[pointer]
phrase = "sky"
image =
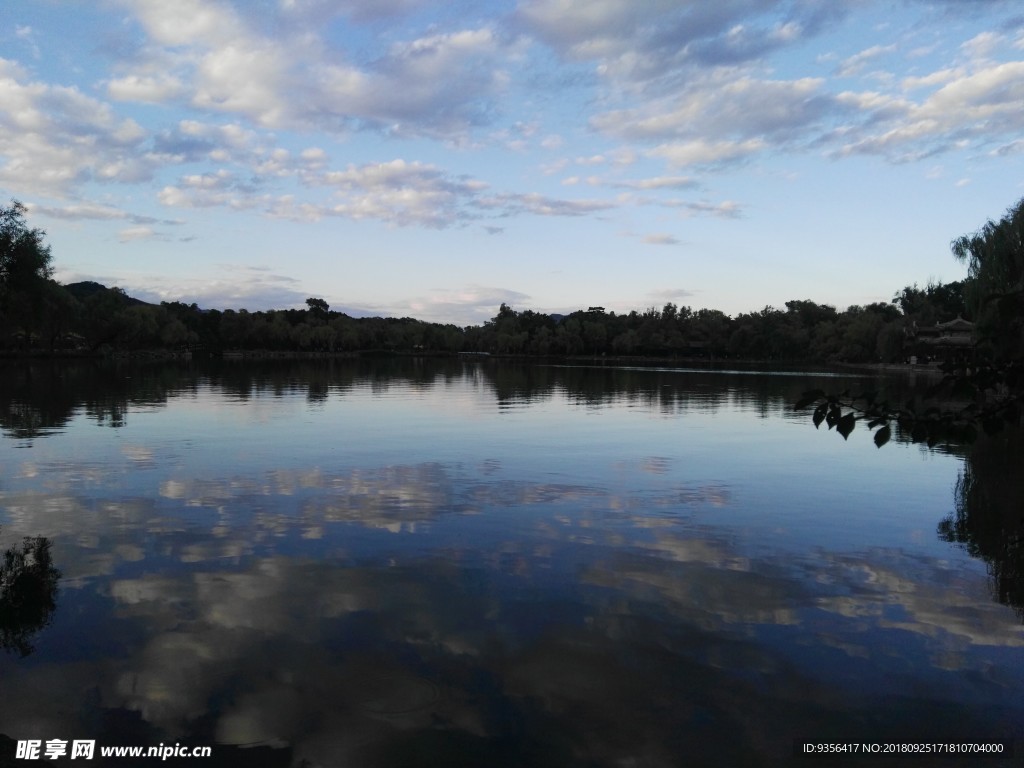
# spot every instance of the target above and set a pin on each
(435, 159)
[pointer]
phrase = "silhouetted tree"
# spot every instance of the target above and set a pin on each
(318, 310)
(25, 269)
(995, 290)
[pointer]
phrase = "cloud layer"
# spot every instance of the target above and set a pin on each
(647, 116)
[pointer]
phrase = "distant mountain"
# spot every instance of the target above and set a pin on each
(87, 288)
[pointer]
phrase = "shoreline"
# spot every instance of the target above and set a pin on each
(383, 354)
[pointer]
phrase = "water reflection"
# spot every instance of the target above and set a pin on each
(616, 656)
(39, 398)
(473, 565)
(989, 517)
(28, 592)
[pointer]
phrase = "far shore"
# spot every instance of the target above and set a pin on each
(265, 354)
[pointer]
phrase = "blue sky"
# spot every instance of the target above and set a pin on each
(426, 159)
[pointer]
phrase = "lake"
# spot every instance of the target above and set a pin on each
(476, 563)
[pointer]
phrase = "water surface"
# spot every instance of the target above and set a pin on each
(423, 563)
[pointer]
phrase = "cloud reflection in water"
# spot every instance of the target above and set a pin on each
(482, 609)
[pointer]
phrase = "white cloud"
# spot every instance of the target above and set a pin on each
(194, 196)
(187, 22)
(681, 85)
(191, 141)
(636, 43)
(720, 120)
(145, 89)
(439, 84)
(727, 209)
(661, 239)
(703, 152)
(27, 36)
(95, 211)
(473, 303)
(982, 44)
(983, 105)
(246, 78)
(507, 204)
(1009, 148)
(669, 294)
(939, 77)
(690, 77)
(251, 287)
(135, 233)
(856, 63)
(656, 182)
(722, 107)
(399, 192)
(318, 11)
(53, 138)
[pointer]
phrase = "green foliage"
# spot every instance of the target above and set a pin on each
(995, 290)
(318, 310)
(935, 303)
(24, 257)
(25, 271)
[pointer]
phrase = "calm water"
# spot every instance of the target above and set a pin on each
(474, 564)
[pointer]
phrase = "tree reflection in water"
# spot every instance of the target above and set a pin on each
(28, 591)
(989, 517)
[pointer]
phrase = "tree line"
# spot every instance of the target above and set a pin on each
(39, 315)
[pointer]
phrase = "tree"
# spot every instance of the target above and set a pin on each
(24, 257)
(936, 303)
(995, 270)
(25, 269)
(105, 321)
(810, 313)
(318, 309)
(60, 313)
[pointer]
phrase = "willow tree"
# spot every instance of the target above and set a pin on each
(995, 287)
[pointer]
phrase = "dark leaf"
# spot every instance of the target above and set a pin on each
(882, 436)
(819, 416)
(832, 417)
(846, 425)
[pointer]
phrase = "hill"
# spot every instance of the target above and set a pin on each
(86, 288)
